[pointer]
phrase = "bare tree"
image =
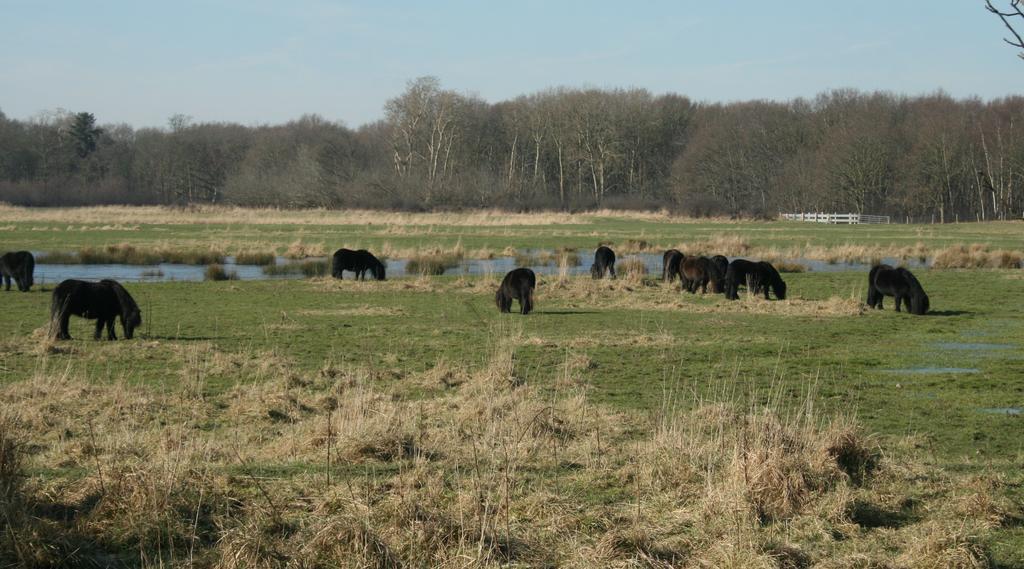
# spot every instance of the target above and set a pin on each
(1013, 13)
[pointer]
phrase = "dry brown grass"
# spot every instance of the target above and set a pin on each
(486, 471)
(977, 256)
(632, 269)
(396, 222)
(298, 249)
(648, 294)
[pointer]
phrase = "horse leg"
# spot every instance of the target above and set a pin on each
(899, 299)
(611, 269)
(7, 281)
(99, 328)
(110, 329)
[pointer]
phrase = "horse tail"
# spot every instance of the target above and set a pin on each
(872, 289)
(59, 302)
(30, 269)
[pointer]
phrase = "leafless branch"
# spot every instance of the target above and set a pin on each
(1015, 11)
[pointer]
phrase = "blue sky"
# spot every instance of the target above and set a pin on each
(257, 62)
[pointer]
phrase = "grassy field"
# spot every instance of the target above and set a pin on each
(479, 235)
(322, 423)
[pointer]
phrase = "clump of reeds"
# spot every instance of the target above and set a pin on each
(524, 259)
(308, 268)
(314, 268)
(260, 258)
(977, 256)
(559, 256)
(432, 263)
(631, 268)
(788, 266)
(217, 272)
(126, 254)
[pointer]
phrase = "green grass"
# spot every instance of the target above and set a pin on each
(637, 355)
(638, 348)
(59, 236)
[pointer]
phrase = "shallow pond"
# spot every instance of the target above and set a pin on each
(50, 273)
(1001, 410)
(931, 370)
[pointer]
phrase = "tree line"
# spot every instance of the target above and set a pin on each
(924, 157)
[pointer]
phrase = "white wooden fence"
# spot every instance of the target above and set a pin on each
(836, 218)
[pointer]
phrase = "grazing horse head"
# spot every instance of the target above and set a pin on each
(378, 270)
(131, 315)
(772, 278)
(919, 303)
(779, 288)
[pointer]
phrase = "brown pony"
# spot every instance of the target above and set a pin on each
(698, 272)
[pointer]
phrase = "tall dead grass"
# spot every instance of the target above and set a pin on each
(977, 256)
(341, 467)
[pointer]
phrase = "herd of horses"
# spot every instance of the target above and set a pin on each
(106, 301)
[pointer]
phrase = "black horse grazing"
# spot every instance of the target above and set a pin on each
(698, 272)
(18, 266)
(721, 262)
(103, 301)
(518, 284)
(604, 263)
(358, 262)
(758, 277)
(884, 280)
(670, 264)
